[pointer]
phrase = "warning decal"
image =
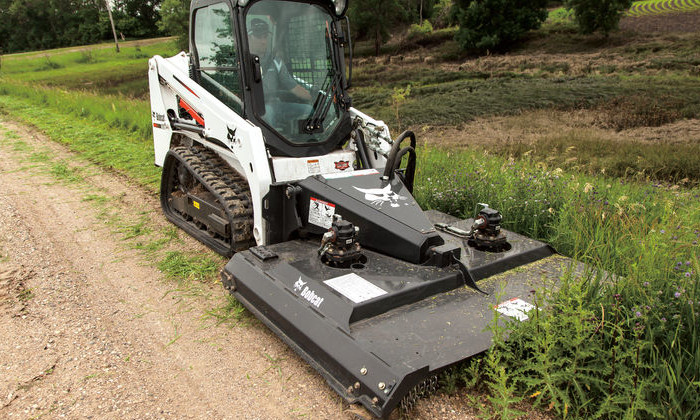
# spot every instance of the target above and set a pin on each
(314, 166)
(321, 213)
(515, 308)
(355, 287)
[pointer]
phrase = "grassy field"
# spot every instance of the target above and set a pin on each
(590, 144)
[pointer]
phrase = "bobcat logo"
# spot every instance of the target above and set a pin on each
(379, 196)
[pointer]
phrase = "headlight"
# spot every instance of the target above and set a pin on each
(340, 6)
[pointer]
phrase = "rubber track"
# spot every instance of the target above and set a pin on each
(229, 185)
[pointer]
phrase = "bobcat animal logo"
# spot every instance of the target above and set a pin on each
(379, 196)
(231, 134)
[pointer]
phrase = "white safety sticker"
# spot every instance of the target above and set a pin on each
(349, 174)
(515, 308)
(321, 213)
(314, 166)
(355, 287)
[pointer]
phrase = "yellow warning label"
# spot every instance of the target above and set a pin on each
(196, 204)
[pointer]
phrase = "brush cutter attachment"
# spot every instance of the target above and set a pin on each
(384, 305)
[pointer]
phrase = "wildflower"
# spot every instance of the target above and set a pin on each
(690, 302)
(677, 295)
(687, 263)
(587, 188)
(663, 319)
(638, 314)
(662, 231)
(687, 273)
(646, 284)
(647, 307)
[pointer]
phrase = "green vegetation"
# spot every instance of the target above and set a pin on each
(657, 7)
(176, 20)
(496, 24)
(179, 266)
(449, 102)
(98, 70)
(35, 25)
(597, 15)
(622, 347)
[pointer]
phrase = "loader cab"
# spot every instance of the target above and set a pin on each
(278, 63)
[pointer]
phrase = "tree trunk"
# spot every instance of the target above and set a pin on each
(114, 31)
(377, 41)
(420, 13)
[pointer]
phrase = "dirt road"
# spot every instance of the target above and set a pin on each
(90, 328)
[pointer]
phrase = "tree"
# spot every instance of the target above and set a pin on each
(496, 24)
(594, 15)
(175, 20)
(373, 18)
(41, 24)
(137, 18)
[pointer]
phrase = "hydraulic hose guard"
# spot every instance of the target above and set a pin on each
(394, 160)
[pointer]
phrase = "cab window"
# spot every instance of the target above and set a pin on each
(218, 61)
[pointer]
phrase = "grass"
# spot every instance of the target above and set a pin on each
(598, 349)
(98, 70)
(183, 267)
(454, 102)
(121, 151)
(636, 160)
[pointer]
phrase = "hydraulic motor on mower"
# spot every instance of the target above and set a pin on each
(486, 230)
(485, 233)
(339, 246)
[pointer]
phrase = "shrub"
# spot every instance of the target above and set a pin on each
(597, 15)
(495, 24)
(423, 29)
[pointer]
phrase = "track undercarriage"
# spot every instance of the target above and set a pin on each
(203, 195)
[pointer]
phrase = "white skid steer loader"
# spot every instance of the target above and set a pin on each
(265, 161)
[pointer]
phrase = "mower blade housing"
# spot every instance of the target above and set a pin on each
(376, 330)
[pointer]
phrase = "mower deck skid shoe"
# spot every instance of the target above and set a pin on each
(378, 329)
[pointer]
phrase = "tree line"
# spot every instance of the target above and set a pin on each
(483, 25)
(27, 25)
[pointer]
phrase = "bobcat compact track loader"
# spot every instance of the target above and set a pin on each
(265, 161)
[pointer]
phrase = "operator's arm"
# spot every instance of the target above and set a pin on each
(301, 93)
(287, 82)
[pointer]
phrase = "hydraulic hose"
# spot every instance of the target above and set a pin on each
(361, 149)
(410, 166)
(394, 159)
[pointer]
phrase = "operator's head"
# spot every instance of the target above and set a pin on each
(258, 32)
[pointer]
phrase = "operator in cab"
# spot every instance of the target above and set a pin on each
(281, 108)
